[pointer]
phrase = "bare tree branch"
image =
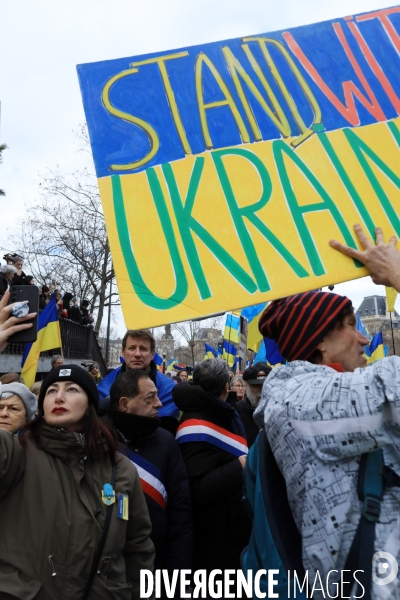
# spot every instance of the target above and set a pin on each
(64, 238)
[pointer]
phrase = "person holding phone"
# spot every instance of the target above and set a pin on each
(83, 524)
(10, 325)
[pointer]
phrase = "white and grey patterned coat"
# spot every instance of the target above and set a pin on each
(319, 422)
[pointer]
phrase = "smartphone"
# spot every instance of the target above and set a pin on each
(30, 293)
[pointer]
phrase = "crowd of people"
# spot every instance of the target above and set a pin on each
(139, 471)
(67, 305)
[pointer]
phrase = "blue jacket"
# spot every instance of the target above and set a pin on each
(163, 383)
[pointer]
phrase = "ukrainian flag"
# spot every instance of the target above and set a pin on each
(48, 337)
(229, 353)
(170, 364)
(364, 331)
(232, 328)
(376, 348)
(158, 360)
(253, 314)
(209, 352)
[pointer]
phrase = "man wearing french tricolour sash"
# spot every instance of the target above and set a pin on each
(134, 406)
(214, 447)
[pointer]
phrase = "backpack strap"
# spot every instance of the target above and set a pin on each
(370, 493)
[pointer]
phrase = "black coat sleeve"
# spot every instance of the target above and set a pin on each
(179, 512)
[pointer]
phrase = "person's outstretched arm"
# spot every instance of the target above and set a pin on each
(382, 260)
(10, 325)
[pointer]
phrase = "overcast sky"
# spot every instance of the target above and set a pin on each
(43, 41)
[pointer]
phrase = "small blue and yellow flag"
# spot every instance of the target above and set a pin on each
(229, 353)
(209, 352)
(376, 348)
(253, 314)
(364, 331)
(158, 360)
(232, 328)
(170, 364)
(48, 337)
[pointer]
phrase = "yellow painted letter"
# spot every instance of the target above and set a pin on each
(229, 101)
(277, 115)
(317, 124)
(154, 143)
(170, 93)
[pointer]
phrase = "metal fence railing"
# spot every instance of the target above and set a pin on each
(77, 342)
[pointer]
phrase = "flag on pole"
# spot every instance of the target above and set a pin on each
(170, 364)
(48, 337)
(376, 348)
(364, 331)
(229, 353)
(253, 314)
(209, 352)
(158, 360)
(232, 328)
(391, 295)
(361, 327)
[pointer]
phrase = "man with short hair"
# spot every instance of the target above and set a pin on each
(138, 349)
(254, 377)
(134, 409)
(322, 412)
(56, 361)
(213, 445)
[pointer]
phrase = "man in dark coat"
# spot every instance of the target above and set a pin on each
(214, 448)
(134, 407)
(254, 378)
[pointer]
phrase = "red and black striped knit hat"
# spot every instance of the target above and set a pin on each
(299, 323)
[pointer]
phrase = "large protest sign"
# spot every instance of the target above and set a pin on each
(224, 169)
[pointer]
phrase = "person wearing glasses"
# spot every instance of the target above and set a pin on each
(238, 386)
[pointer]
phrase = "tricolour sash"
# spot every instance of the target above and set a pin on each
(151, 479)
(197, 430)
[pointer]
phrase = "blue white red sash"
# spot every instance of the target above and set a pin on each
(197, 430)
(151, 479)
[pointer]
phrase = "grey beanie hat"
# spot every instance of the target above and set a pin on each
(20, 390)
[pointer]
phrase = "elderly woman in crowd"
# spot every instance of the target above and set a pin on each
(7, 272)
(17, 406)
(238, 386)
(83, 524)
